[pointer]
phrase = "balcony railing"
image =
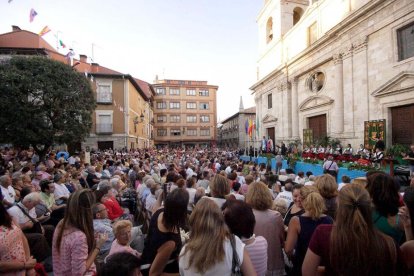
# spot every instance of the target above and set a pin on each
(103, 128)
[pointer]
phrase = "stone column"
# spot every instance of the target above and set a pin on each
(284, 118)
(348, 100)
(295, 114)
(337, 122)
(360, 85)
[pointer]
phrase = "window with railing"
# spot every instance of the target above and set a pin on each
(175, 132)
(204, 106)
(203, 92)
(160, 91)
(191, 132)
(191, 118)
(161, 132)
(174, 91)
(204, 132)
(161, 118)
(104, 124)
(175, 118)
(191, 105)
(104, 93)
(174, 105)
(191, 92)
(204, 119)
(161, 105)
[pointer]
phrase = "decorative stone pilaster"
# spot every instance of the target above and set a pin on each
(295, 114)
(337, 123)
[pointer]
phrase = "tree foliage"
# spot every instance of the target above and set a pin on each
(43, 102)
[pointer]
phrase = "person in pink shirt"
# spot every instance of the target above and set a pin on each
(74, 247)
(122, 232)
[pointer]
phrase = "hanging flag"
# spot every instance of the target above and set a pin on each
(44, 31)
(33, 13)
(250, 128)
(246, 125)
(62, 44)
(257, 126)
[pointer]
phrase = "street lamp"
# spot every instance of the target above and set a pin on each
(138, 120)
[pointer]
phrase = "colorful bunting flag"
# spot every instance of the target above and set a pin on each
(44, 31)
(62, 44)
(33, 13)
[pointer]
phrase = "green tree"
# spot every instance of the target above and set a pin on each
(43, 102)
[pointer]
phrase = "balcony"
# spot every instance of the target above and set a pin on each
(103, 128)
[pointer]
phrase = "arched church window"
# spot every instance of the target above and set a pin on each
(269, 30)
(297, 14)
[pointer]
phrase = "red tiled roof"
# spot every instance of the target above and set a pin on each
(24, 39)
(145, 87)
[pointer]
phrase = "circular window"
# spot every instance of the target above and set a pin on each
(316, 82)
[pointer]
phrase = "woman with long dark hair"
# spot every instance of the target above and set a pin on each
(74, 247)
(386, 199)
(163, 242)
(352, 245)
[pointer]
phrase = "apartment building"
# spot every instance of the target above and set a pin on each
(123, 118)
(185, 113)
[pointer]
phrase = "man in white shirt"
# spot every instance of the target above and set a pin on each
(9, 195)
(61, 192)
(38, 242)
(286, 194)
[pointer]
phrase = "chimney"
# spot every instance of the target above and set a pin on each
(83, 58)
(94, 67)
(15, 28)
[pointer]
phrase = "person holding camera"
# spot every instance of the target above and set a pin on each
(56, 212)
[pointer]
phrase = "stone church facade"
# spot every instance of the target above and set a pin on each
(331, 65)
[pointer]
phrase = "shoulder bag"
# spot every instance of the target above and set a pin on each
(37, 227)
(235, 266)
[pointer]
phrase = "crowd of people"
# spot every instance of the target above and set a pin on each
(196, 212)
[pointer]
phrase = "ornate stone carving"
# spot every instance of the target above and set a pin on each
(284, 85)
(346, 52)
(360, 44)
(337, 58)
(403, 82)
(316, 81)
(314, 102)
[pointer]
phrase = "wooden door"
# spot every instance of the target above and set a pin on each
(104, 145)
(318, 126)
(271, 134)
(402, 124)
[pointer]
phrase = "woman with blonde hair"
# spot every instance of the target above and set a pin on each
(269, 224)
(219, 189)
(209, 250)
(74, 248)
(122, 232)
(352, 245)
(328, 189)
(301, 228)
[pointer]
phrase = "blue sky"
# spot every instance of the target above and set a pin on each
(209, 40)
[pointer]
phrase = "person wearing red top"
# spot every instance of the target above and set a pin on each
(112, 205)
